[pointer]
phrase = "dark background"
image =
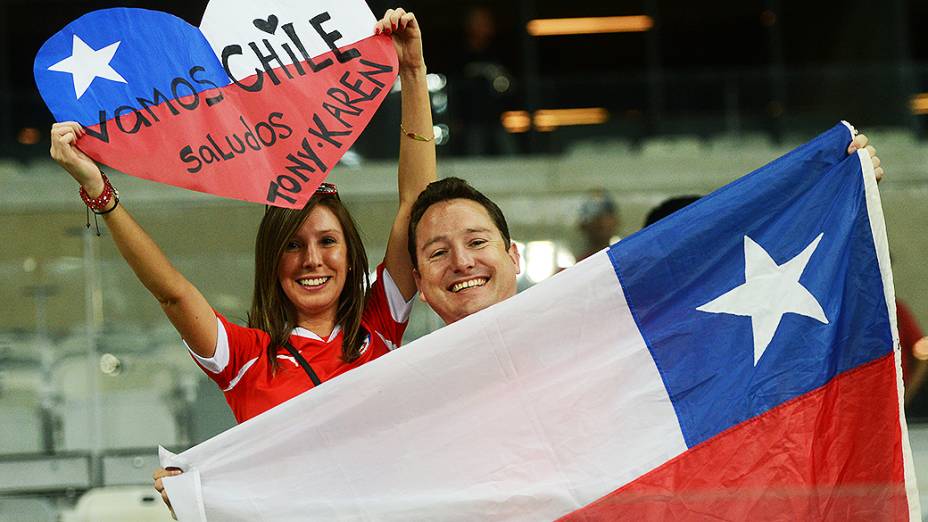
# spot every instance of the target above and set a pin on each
(706, 68)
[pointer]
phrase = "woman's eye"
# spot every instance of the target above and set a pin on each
(328, 240)
(292, 245)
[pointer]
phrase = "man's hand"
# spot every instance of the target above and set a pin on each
(407, 38)
(159, 474)
(861, 141)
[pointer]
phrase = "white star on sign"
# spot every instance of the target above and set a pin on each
(85, 64)
(768, 292)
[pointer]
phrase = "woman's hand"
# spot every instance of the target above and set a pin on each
(159, 474)
(83, 169)
(861, 141)
(407, 38)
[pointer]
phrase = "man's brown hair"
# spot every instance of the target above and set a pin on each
(444, 190)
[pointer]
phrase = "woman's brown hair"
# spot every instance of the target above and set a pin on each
(271, 310)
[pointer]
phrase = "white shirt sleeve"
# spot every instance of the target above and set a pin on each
(220, 358)
(399, 307)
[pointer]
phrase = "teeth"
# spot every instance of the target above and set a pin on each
(457, 287)
(315, 281)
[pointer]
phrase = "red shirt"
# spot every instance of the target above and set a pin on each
(909, 333)
(242, 370)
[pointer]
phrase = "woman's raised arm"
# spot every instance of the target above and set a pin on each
(417, 145)
(184, 305)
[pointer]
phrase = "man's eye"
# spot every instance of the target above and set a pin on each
(478, 242)
(437, 254)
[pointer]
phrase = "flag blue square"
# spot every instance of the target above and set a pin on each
(688, 260)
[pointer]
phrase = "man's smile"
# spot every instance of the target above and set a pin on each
(468, 283)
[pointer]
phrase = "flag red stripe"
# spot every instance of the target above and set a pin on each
(832, 454)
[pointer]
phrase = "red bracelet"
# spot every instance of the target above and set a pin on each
(99, 203)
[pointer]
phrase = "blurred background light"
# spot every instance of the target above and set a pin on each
(28, 136)
(442, 134)
(540, 260)
(436, 82)
(516, 121)
(590, 25)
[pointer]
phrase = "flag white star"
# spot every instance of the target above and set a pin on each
(768, 292)
(85, 64)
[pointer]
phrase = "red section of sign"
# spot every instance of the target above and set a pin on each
(833, 454)
(272, 146)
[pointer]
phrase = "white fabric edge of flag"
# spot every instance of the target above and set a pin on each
(880, 242)
(184, 490)
(206, 457)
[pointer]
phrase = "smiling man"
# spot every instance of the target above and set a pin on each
(460, 247)
(463, 258)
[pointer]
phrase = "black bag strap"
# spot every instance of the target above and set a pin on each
(304, 363)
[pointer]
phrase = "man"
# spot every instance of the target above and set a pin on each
(668, 207)
(463, 257)
(598, 222)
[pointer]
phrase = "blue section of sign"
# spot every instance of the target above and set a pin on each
(160, 56)
(680, 263)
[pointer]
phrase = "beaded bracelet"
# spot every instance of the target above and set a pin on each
(99, 203)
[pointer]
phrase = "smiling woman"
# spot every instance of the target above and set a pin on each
(314, 313)
(315, 261)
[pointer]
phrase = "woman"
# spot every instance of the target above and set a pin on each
(312, 316)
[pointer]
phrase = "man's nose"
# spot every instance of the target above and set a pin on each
(462, 259)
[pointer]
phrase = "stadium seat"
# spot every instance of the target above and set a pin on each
(119, 504)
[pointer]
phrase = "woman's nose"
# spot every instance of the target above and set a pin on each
(311, 257)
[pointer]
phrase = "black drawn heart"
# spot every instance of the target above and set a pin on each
(268, 26)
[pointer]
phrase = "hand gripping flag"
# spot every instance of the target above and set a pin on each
(735, 361)
(257, 104)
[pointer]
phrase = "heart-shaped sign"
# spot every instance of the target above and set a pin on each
(257, 104)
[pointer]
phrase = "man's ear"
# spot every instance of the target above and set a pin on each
(514, 255)
(418, 279)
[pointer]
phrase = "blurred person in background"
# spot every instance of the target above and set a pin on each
(914, 346)
(480, 86)
(598, 222)
(668, 207)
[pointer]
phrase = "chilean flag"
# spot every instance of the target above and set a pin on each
(736, 361)
(257, 104)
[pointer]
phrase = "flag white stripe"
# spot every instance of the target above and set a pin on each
(477, 420)
(878, 230)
